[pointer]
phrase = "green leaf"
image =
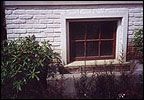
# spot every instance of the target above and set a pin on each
(37, 72)
(37, 77)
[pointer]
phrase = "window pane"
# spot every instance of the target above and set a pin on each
(77, 49)
(92, 48)
(92, 30)
(106, 48)
(77, 30)
(107, 30)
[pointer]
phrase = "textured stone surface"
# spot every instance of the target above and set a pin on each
(45, 21)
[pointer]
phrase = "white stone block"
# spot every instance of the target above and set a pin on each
(131, 14)
(32, 12)
(50, 34)
(40, 17)
(13, 35)
(57, 39)
(131, 36)
(40, 35)
(9, 31)
(19, 31)
(56, 21)
(25, 35)
(13, 26)
(8, 21)
(130, 32)
(49, 30)
(53, 25)
(131, 23)
(136, 10)
(46, 21)
(57, 30)
(131, 19)
(57, 34)
(19, 12)
(33, 31)
(25, 17)
(32, 21)
(18, 21)
(138, 23)
(39, 26)
(56, 43)
(26, 26)
(138, 19)
(138, 15)
(15, 21)
(8, 12)
(11, 17)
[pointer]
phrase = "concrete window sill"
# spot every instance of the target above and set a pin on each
(91, 63)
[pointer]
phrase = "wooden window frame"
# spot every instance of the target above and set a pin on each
(85, 40)
(121, 37)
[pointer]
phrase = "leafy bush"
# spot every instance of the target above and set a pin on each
(24, 65)
(137, 41)
(98, 86)
(109, 86)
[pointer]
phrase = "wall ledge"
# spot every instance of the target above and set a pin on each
(52, 3)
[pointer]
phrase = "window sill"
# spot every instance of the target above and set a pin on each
(91, 63)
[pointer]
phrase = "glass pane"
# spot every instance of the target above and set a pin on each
(92, 30)
(107, 30)
(77, 30)
(92, 48)
(106, 48)
(77, 49)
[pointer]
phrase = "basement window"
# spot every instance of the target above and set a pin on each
(92, 40)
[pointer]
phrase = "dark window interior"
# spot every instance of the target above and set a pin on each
(92, 40)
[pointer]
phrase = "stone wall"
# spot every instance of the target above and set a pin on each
(45, 21)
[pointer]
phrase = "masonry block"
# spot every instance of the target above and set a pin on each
(39, 26)
(32, 12)
(40, 17)
(25, 17)
(9, 31)
(19, 31)
(12, 35)
(13, 26)
(18, 21)
(19, 12)
(53, 25)
(32, 21)
(8, 12)
(46, 21)
(26, 26)
(11, 17)
(33, 31)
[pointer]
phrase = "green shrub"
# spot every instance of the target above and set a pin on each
(97, 86)
(137, 41)
(109, 86)
(24, 61)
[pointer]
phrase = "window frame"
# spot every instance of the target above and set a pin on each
(122, 29)
(99, 40)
